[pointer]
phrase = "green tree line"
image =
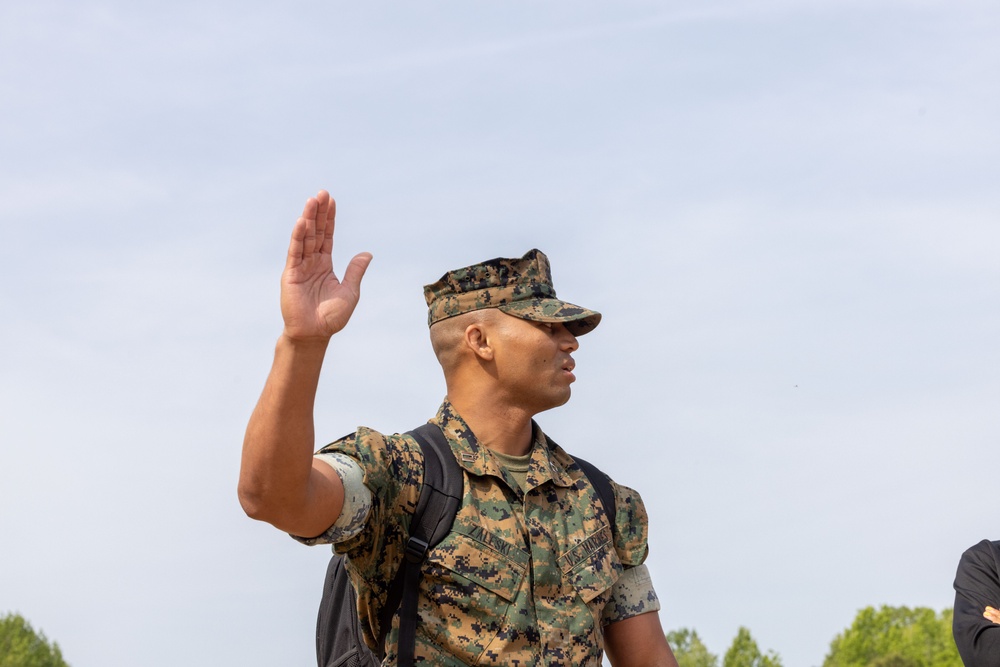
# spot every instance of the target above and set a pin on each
(882, 637)
(878, 637)
(22, 646)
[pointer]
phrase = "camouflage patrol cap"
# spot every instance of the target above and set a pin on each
(519, 287)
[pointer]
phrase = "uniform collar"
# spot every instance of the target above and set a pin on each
(548, 460)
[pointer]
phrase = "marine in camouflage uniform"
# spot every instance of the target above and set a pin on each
(531, 573)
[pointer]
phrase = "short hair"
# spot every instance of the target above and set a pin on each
(447, 335)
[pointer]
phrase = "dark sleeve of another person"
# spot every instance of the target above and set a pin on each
(977, 585)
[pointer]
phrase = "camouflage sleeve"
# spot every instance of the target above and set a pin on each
(631, 526)
(392, 468)
(357, 500)
(632, 595)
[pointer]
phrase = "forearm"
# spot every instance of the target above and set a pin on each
(978, 642)
(977, 639)
(976, 587)
(984, 650)
(638, 641)
(277, 481)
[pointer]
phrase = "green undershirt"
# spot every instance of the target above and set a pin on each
(517, 466)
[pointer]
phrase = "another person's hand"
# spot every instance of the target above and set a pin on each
(992, 615)
(315, 304)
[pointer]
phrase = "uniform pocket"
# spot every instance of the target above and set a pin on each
(485, 559)
(470, 581)
(592, 566)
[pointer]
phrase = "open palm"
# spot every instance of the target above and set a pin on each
(314, 302)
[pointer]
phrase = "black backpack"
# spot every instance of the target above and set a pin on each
(339, 638)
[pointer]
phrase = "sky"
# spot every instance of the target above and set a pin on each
(787, 212)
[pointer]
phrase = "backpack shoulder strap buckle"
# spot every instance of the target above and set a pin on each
(416, 549)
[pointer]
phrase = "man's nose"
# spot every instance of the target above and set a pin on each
(567, 340)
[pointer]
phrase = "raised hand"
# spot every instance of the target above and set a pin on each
(314, 302)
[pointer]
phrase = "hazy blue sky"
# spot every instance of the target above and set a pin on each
(787, 211)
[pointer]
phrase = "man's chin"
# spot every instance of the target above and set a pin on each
(557, 402)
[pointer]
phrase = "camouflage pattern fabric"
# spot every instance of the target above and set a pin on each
(631, 595)
(520, 287)
(357, 500)
(522, 579)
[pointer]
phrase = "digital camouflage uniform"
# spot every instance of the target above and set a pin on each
(522, 579)
(525, 576)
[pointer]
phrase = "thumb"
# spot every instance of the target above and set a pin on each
(355, 271)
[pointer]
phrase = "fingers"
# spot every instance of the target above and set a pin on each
(326, 210)
(325, 215)
(313, 233)
(992, 615)
(311, 212)
(301, 232)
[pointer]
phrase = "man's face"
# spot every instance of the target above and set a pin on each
(533, 362)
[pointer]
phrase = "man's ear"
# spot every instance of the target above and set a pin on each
(477, 339)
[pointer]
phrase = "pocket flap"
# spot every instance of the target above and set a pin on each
(592, 566)
(483, 559)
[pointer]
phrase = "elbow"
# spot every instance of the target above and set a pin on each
(259, 494)
(250, 503)
(254, 502)
(263, 504)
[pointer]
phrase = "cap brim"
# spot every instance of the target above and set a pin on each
(577, 320)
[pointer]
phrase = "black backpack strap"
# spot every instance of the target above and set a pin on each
(440, 497)
(446, 483)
